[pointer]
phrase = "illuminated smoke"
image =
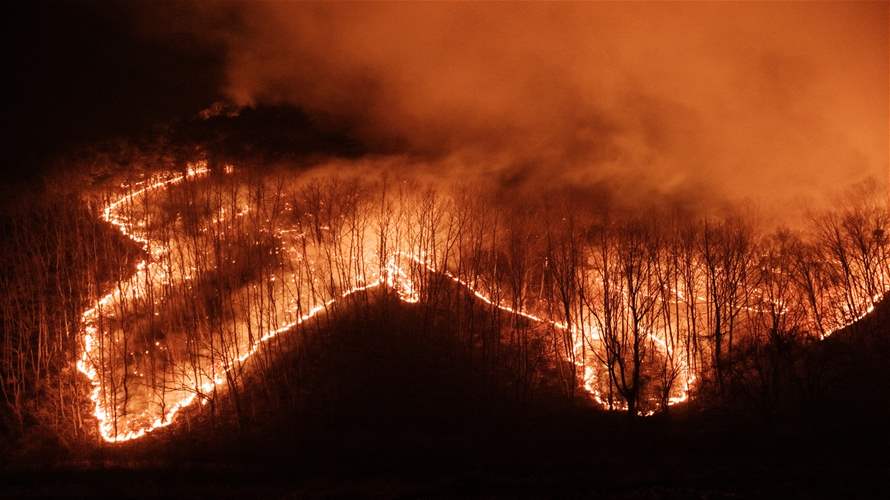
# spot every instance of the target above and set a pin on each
(117, 429)
(395, 273)
(702, 104)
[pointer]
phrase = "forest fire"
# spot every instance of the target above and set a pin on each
(605, 249)
(392, 275)
(587, 349)
(90, 317)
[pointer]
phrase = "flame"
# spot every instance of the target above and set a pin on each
(589, 377)
(90, 317)
(392, 275)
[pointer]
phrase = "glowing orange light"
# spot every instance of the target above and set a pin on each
(392, 275)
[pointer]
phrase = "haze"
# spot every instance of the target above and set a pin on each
(778, 104)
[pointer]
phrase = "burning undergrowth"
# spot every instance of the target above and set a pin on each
(440, 223)
(638, 313)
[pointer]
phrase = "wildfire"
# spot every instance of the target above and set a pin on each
(89, 317)
(391, 275)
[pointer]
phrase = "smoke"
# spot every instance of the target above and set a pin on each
(701, 103)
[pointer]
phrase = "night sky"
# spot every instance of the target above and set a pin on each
(85, 71)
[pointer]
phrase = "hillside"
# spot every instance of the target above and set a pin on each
(374, 401)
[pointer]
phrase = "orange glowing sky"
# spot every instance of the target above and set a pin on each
(780, 103)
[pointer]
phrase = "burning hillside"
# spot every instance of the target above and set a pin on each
(637, 312)
(558, 236)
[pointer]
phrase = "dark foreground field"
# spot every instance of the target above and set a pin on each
(385, 412)
(545, 466)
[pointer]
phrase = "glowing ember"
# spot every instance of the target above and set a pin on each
(393, 271)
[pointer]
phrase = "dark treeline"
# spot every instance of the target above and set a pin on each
(636, 311)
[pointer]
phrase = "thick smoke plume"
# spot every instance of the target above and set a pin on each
(774, 103)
